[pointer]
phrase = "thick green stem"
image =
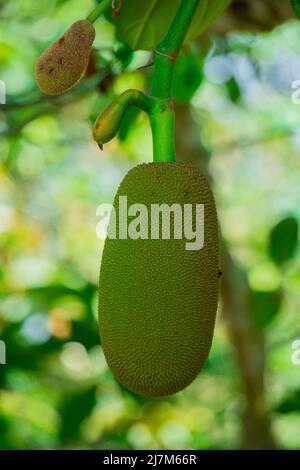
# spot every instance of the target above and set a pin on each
(166, 52)
(163, 126)
(163, 134)
(99, 10)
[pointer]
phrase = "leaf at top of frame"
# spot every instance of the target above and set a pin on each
(143, 24)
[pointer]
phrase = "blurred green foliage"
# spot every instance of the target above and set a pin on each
(56, 390)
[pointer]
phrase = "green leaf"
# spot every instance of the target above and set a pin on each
(284, 240)
(188, 75)
(264, 307)
(74, 409)
(289, 404)
(233, 89)
(142, 25)
(214, 9)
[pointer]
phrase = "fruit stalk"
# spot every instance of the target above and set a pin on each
(99, 10)
(165, 54)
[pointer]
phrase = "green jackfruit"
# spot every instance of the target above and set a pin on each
(158, 300)
(64, 63)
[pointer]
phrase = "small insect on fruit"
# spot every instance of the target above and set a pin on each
(63, 64)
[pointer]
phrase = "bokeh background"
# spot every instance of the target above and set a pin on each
(236, 120)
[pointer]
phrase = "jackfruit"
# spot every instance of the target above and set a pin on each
(158, 300)
(64, 63)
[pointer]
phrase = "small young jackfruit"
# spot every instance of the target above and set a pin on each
(64, 63)
(158, 300)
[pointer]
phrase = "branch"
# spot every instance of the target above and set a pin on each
(48, 104)
(165, 54)
(226, 147)
(167, 51)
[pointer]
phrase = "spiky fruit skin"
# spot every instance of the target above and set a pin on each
(157, 300)
(63, 63)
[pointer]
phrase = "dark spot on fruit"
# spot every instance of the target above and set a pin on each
(51, 70)
(61, 41)
(60, 61)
